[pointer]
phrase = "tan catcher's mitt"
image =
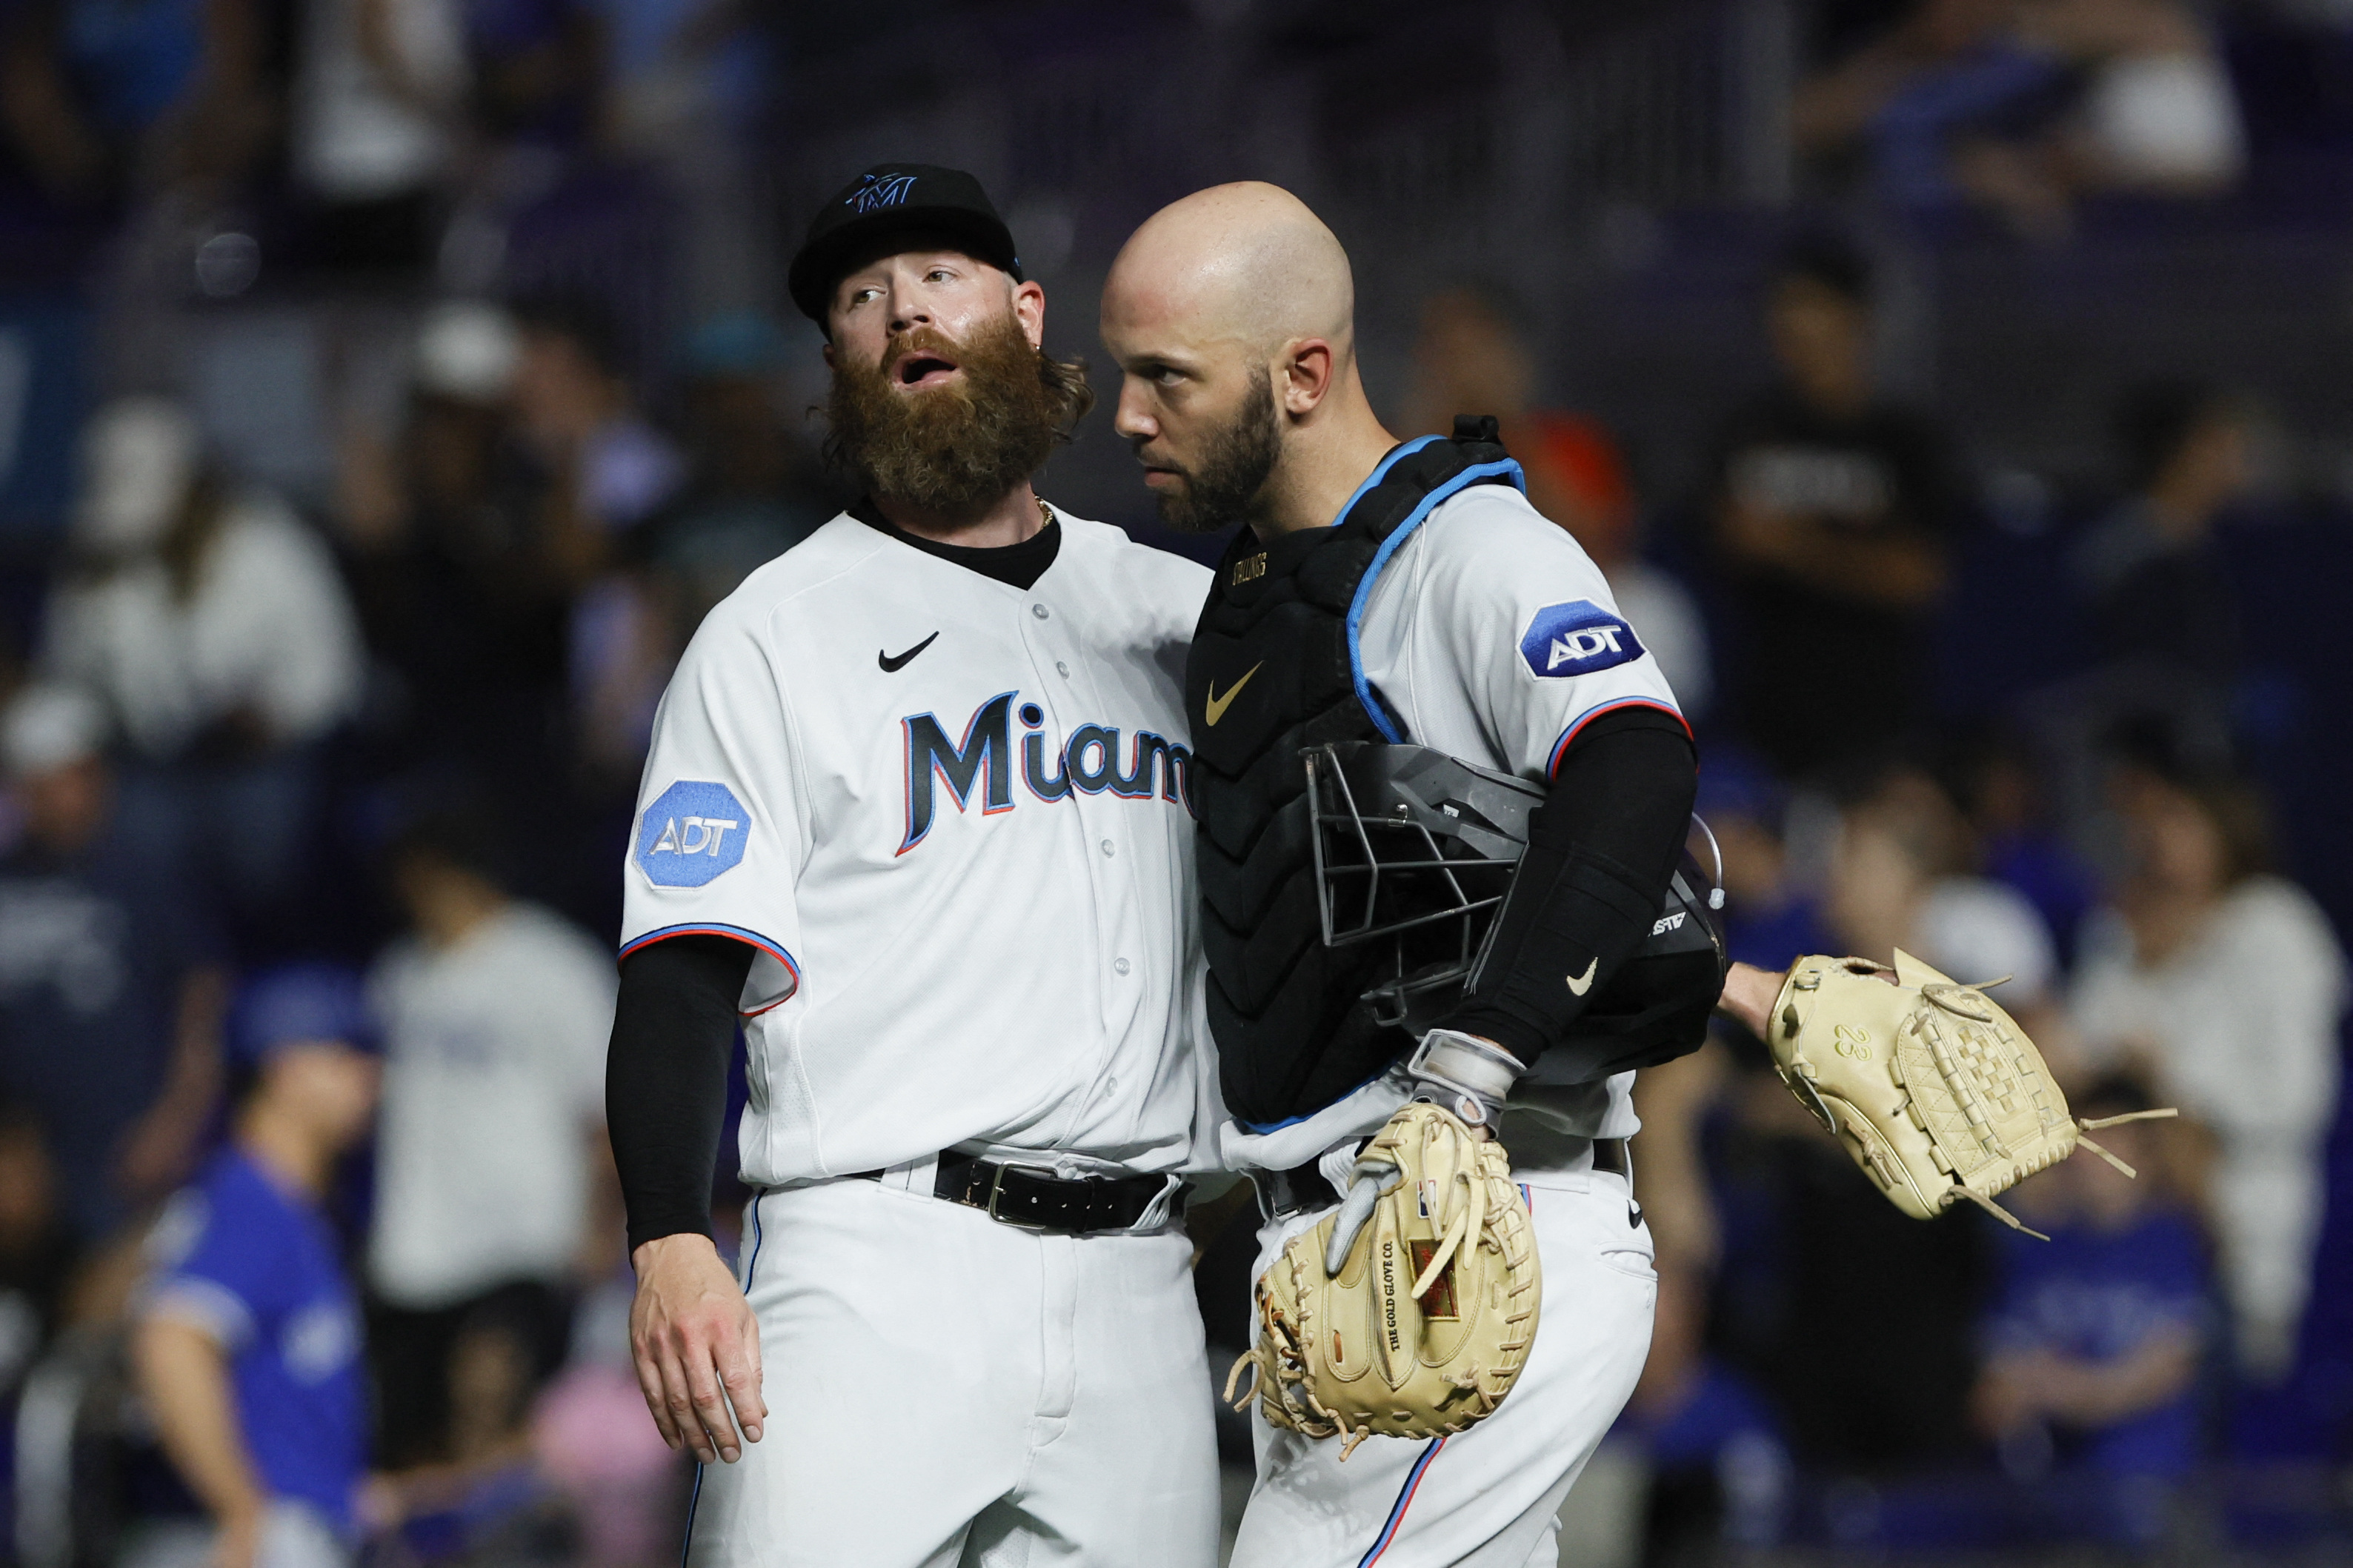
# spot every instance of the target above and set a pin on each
(1935, 1091)
(1423, 1325)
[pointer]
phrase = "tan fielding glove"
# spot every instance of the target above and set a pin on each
(1935, 1091)
(1428, 1321)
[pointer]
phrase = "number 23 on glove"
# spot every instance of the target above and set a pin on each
(1935, 1091)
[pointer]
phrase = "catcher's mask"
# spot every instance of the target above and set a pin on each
(1415, 850)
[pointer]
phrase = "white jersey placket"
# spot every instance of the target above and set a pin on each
(1053, 637)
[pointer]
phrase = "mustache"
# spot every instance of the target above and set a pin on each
(1141, 448)
(916, 341)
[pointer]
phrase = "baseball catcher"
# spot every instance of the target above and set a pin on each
(1443, 793)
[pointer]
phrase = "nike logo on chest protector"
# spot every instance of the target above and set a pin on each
(1214, 708)
(1578, 985)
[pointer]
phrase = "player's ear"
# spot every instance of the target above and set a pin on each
(828, 350)
(1029, 310)
(1304, 375)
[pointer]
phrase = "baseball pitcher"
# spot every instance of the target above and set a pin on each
(916, 817)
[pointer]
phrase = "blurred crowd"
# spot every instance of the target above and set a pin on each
(2027, 106)
(317, 774)
(318, 778)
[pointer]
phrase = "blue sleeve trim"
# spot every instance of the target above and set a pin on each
(712, 927)
(1390, 731)
(1560, 747)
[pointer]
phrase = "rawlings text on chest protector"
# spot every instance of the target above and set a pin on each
(1274, 672)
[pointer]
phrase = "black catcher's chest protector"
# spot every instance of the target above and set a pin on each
(1272, 673)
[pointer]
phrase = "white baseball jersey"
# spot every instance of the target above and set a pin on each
(951, 814)
(1493, 638)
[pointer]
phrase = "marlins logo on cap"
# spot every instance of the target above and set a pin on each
(896, 206)
(878, 191)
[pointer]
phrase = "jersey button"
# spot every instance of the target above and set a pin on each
(1061, 669)
(1038, 611)
(1111, 1086)
(1121, 965)
(1107, 849)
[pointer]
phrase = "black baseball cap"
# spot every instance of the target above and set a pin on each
(887, 200)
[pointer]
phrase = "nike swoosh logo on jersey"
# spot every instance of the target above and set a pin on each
(1215, 709)
(1578, 985)
(891, 665)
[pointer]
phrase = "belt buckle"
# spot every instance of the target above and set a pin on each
(995, 1189)
(1262, 1188)
(1283, 1195)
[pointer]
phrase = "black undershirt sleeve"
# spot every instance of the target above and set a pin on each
(1601, 850)
(666, 1079)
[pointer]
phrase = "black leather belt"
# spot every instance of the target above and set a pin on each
(1302, 1187)
(1025, 1197)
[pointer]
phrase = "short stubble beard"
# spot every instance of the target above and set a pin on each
(1229, 481)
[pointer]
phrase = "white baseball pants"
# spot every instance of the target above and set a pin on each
(948, 1391)
(1489, 1496)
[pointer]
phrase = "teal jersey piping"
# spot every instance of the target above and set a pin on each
(1398, 536)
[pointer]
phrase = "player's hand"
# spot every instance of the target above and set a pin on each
(697, 1348)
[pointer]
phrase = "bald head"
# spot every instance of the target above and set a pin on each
(1231, 315)
(1245, 263)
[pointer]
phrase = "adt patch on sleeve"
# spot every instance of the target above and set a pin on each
(692, 833)
(1578, 638)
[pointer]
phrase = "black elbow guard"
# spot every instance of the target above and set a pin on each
(1574, 916)
(1606, 937)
